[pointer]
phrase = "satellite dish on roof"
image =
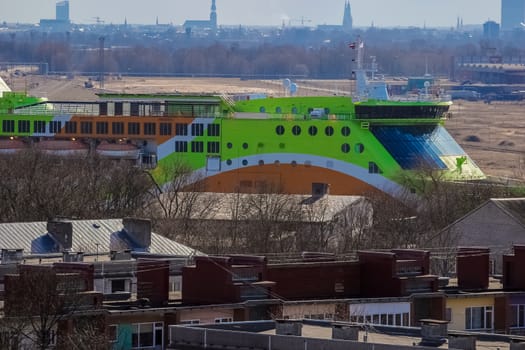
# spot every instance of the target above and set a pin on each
(286, 83)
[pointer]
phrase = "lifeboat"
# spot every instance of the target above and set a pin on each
(8, 146)
(63, 147)
(118, 150)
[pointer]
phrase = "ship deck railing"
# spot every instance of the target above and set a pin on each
(93, 110)
(290, 116)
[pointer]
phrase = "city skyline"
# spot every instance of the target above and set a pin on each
(402, 13)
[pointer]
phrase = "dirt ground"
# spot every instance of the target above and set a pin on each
(492, 134)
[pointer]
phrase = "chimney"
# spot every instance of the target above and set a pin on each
(12, 256)
(72, 257)
(139, 231)
(120, 255)
(61, 232)
(473, 268)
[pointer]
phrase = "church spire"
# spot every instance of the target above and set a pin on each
(347, 17)
(213, 15)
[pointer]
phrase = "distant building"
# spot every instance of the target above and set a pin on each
(62, 11)
(61, 21)
(346, 26)
(200, 25)
(512, 14)
(347, 18)
(490, 30)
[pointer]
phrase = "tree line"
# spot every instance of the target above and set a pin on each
(35, 186)
(282, 55)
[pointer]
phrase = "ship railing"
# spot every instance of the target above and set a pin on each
(422, 98)
(289, 116)
(61, 108)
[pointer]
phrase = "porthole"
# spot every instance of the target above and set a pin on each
(329, 131)
(294, 163)
(345, 148)
(294, 110)
(229, 145)
(312, 130)
(245, 145)
(261, 162)
(229, 162)
(296, 130)
(279, 129)
(278, 110)
(345, 131)
(262, 109)
(359, 148)
(244, 162)
(277, 162)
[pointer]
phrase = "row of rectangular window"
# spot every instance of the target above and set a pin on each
(102, 128)
(197, 147)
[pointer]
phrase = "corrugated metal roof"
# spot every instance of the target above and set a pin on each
(223, 206)
(89, 236)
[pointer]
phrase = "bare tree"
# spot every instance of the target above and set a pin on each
(38, 300)
(35, 186)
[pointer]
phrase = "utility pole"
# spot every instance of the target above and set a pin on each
(101, 58)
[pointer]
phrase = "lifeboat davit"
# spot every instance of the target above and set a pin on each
(118, 150)
(8, 146)
(63, 147)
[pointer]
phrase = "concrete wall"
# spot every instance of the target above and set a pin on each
(220, 339)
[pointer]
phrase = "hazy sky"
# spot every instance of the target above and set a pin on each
(383, 13)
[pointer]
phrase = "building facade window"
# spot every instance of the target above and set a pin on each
(478, 317)
(197, 146)
(102, 128)
(55, 127)
(119, 285)
(223, 320)
(373, 168)
(214, 130)
(517, 314)
(213, 147)
(71, 127)
(117, 128)
(165, 129)
(150, 128)
(181, 129)
(86, 127)
(197, 129)
(134, 128)
(39, 126)
(24, 126)
(147, 335)
(181, 146)
(8, 125)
